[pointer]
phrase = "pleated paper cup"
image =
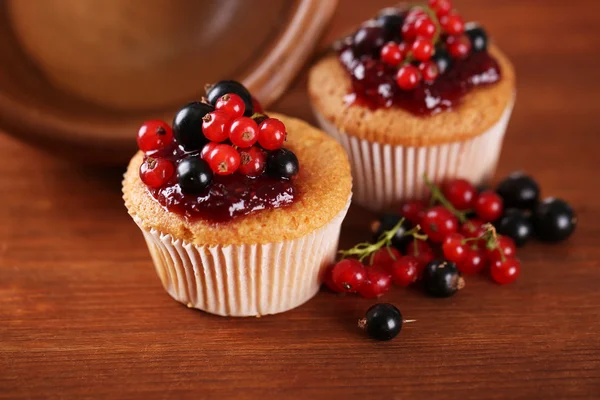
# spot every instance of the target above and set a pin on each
(386, 175)
(244, 280)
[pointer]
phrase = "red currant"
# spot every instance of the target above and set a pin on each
(243, 132)
(408, 77)
(404, 48)
(473, 228)
(460, 193)
(488, 206)
(378, 283)
(416, 13)
(231, 104)
(207, 150)
(252, 161)
(391, 54)
(454, 248)
(422, 49)
(429, 71)
(272, 134)
(441, 7)
(155, 172)
(349, 275)
(505, 246)
(474, 261)
(386, 256)
(425, 28)
(438, 223)
(507, 271)
(420, 250)
(257, 106)
(154, 135)
(413, 211)
(458, 46)
(452, 23)
(224, 159)
(328, 280)
(405, 271)
(215, 126)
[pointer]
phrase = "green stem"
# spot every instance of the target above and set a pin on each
(437, 194)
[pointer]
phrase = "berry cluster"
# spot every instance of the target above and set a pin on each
(420, 42)
(221, 135)
(459, 231)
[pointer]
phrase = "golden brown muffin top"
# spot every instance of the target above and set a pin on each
(480, 109)
(324, 184)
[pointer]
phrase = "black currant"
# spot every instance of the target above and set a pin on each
(391, 20)
(282, 163)
(382, 322)
(194, 175)
(519, 191)
(479, 39)
(554, 220)
(442, 59)
(369, 39)
(517, 225)
(223, 87)
(389, 221)
(441, 278)
(187, 125)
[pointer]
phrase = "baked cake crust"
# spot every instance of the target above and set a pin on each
(480, 109)
(324, 184)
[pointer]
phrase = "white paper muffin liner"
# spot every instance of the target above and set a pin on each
(386, 175)
(244, 280)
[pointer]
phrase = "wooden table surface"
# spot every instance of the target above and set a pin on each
(83, 314)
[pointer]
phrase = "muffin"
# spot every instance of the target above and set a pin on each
(414, 93)
(232, 230)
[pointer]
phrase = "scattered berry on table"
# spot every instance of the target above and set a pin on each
(224, 159)
(222, 88)
(328, 280)
(460, 193)
(194, 175)
(454, 247)
(386, 223)
(488, 206)
(282, 163)
(517, 225)
(386, 256)
(271, 134)
(215, 126)
(243, 132)
(438, 223)
(349, 275)
(252, 161)
(154, 135)
(442, 278)
(413, 211)
(554, 220)
(378, 282)
(405, 271)
(155, 172)
(231, 104)
(505, 272)
(422, 251)
(382, 322)
(519, 191)
(187, 125)
(504, 246)
(474, 262)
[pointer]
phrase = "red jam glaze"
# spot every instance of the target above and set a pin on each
(374, 84)
(227, 197)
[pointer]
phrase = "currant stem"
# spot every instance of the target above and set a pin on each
(437, 194)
